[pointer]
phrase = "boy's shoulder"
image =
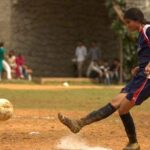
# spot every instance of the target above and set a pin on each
(146, 30)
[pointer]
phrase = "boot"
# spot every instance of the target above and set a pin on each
(132, 146)
(73, 125)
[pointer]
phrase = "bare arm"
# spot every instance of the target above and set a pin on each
(135, 70)
(147, 69)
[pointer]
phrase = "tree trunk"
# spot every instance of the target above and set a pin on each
(121, 60)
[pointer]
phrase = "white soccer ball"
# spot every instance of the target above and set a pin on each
(66, 84)
(6, 109)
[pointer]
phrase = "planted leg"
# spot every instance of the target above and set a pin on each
(129, 126)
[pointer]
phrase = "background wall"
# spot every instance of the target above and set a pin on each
(5, 25)
(144, 5)
(46, 31)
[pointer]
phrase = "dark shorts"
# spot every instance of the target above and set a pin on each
(138, 89)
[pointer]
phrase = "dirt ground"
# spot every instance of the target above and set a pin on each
(31, 129)
(41, 130)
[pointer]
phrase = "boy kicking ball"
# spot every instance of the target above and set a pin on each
(134, 93)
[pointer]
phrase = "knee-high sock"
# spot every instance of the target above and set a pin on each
(97, 115)
(129, 127)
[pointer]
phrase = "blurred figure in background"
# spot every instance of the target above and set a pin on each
(11, 59)
(5, 65)
(114, 70)
(94, 55)
(100, 73)
(1, 58)
(22, 70)
(27, 72)
(80, 56)
(19, 68)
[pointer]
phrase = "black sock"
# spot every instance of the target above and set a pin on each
(99, 114)
(129, 127)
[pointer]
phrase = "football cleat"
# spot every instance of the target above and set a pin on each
(132, 146)
(73, 125)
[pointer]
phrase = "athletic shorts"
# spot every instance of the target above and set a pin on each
(138, 89)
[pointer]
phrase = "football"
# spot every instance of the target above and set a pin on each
(6, 109)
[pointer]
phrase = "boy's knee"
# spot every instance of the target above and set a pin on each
(122, 110)
(116, 102)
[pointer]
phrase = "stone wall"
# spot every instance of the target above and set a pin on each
(46, 31)
(144, 5)
(5, 25)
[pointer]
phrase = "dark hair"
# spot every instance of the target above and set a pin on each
(116, 59)
(1, 44)
(94, 41)
(135, 14)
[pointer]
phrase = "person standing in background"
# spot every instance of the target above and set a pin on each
(5, 65)
(1, 58)
(94, 55)
(80, 54)
(11, 59)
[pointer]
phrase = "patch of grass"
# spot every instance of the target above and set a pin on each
(15, 81)
(67, 99)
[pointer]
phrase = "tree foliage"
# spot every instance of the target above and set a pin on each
(128, 39)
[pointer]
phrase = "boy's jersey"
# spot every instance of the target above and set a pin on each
(2, 50)
(144, 46)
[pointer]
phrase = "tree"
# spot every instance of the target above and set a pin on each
(126, 40)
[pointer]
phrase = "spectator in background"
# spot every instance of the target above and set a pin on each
(5, 65)
(11, 58)
(114, 71)
(22, 70)
(20, 64)
(100, 73)
(27, 72)
(1, 58)
(80, 56)
(94, 55)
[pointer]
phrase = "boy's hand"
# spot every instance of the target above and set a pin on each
(147, 69)
(135, 70)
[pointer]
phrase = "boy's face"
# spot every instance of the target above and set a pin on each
(132, 25)
(79, 44)
(93, 44)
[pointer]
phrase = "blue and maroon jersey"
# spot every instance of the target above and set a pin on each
(138, 89)
(144, 46)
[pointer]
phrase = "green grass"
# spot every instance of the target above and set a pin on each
(15, 81)
(84, 99)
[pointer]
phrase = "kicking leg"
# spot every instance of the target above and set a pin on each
(102, 113)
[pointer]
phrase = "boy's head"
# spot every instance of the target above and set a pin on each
(79, 43)
(11, 53)
(93, 43)
(19, 55)
(134, 19)
(116, 61)
(1, 44)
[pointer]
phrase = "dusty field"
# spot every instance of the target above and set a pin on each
(41, 130)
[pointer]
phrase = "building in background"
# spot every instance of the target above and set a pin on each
(46, 31)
